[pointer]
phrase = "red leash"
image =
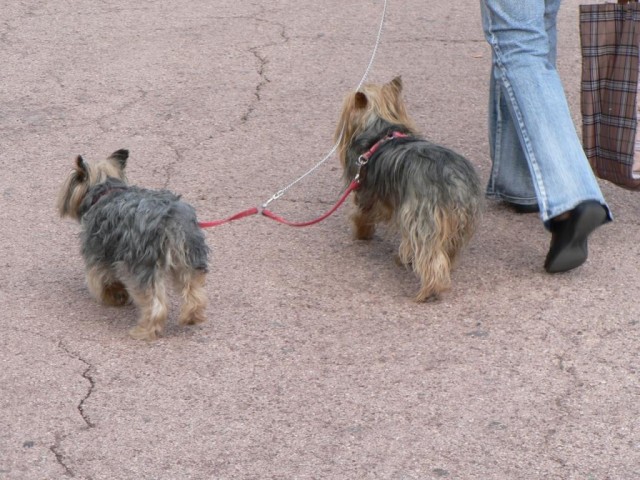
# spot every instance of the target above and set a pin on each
(268, 213)
(237, 216)
(355, 183)
(352, 186)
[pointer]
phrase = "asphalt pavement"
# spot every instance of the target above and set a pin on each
(314, 362)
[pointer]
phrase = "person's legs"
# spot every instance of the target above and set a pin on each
(535, 148)
(529, 106)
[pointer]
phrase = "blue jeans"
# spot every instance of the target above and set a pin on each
(535, 150)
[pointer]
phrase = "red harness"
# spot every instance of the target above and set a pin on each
(364, 158)
(107, 191)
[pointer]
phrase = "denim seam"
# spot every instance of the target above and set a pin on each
(497, 149)
(492, 192)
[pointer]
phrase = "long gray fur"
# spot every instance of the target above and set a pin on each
(411, 166)
(138, 228)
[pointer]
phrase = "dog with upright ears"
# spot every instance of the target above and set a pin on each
(428, 193)
(134, 242)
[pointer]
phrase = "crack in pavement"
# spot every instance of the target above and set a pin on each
(262, 64)
(283, 29)
(60, 458)
(169, 167)
(92, 385)
(86, 374)
(264, 80)
(7, 30)
(102, 120)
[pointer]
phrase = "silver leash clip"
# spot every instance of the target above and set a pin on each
(273, 198)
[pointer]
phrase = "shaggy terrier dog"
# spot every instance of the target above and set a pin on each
(133, 241)
(430, 194)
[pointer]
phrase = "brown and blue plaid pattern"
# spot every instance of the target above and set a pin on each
(610, 35)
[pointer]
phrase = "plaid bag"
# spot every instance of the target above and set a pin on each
(610, 36)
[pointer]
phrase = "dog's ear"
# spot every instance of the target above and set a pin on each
(121, 156)
(82, 171)
(361, 100)
(396, 84)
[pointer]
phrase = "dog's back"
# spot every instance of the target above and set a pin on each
(416, 167)
(140, 229)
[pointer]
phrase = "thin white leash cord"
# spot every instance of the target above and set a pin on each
(284, 190)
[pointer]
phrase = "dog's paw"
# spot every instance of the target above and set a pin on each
(193, 318)
(142, 333)
(116, 295)
(428, 296)
(364, 232)
(400, 262)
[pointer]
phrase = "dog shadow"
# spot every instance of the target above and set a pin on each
(379, 266)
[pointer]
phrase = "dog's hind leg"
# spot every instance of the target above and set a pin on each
(435, 274)
(425, 245)
(367, 215)
(152, 303)
(194, 299)
(364, 225)
(104, 286)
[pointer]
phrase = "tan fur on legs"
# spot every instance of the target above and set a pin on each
(435, 275)
(194, 299)
(153, 310)
(365, 218)
(106, 288)
(363, 225)
(430, 247)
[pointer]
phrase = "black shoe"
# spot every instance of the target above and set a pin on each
(519, 208)
(568, 248)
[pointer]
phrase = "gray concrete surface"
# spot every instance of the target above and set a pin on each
(315, 363)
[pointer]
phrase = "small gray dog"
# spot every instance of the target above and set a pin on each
(133, 239)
